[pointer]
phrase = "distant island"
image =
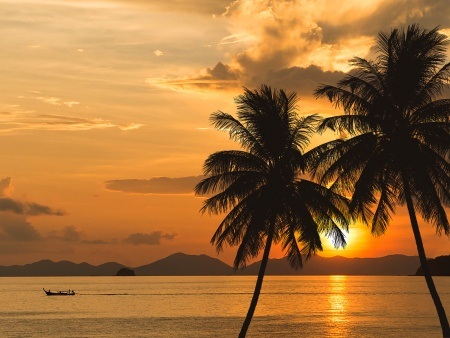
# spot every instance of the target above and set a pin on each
(439, 266)
(181, 264)
(125, 272)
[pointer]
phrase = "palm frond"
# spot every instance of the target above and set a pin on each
(353, 124)
(436, 135)
(233, 186)
(311, 159)
(433, 87)
(426, 183)
(382, 215)
(340, 97)
(253, 239)
(228, 161)
(302, 130)
(232, 227)
(432, 112)
(290, 245)
(237, 131)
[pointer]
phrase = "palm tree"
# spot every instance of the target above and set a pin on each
(399, 124)
(260, 185)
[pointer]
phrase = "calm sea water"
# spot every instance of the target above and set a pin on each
(307, 306)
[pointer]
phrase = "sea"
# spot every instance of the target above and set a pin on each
(289, 306)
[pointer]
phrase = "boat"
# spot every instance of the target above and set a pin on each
(59, 293)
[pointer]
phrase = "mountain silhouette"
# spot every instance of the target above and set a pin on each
(439, 266)
(181, 264)
(62, 268)
(392, 265)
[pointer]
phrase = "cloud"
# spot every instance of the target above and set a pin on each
(27, 208)
(15, 227)
(296, 44)
(303, 80)
(153, 238)
(6, 187)
(67, 234)
(156, 185)
(7, 204)
(384, 16)
(270, 41)
(207, 7)
(71, 234)
(57, 101)
(30, 121)
(220, 77)
(131, 126)
(158, 52)
(96, 242)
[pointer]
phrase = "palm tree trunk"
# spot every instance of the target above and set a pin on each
(423, 260)
(259, 282)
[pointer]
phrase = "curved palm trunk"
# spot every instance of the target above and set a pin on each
(423, 261)
(259, 281)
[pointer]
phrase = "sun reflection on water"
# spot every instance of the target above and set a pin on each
(338, 307)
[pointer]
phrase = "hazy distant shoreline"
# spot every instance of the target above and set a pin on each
(181, 264)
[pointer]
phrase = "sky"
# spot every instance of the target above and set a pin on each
(104, 109)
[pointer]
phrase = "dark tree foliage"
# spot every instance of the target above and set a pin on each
(261, 189)
(397, 152)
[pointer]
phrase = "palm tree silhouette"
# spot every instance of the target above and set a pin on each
(260, 185)
(398, 149)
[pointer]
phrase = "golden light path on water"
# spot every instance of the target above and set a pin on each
(338, 306)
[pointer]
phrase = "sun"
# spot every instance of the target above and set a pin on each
(355, 239)
(330, 242)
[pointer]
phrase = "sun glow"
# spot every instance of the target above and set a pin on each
(356, 238)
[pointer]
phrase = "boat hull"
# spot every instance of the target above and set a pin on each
(59, 293)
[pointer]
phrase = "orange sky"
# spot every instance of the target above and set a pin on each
(100, 99)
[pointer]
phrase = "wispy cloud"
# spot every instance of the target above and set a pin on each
(30, 121)
(206, 7)
(220, 77)
(27, 208)
(8, 204)
(57, 101)
(156, 185)
(234, 38)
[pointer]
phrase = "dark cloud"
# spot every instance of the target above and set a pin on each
(5, 186)
(390, 14)
(302, 80)
(96, 242)
(220, 77)
(71, 234)
(279, 42)
(153, 238)
(34, 209)
(67, 234)
(156, 185)
(16, 228)
(27, 208)
(222, 72)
